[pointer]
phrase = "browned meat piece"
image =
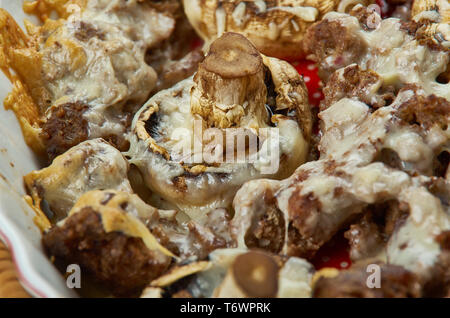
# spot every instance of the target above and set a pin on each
(203, 240)
(268, 232)
(365, 237)
(425, 110)
(439, 284)
(396, 282)
(123, 263)
(168, 6)
(86, 31)
(331, 38)
(352, 82)
(65, 128)
(369, 235)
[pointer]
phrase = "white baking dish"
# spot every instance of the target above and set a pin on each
(17, 229)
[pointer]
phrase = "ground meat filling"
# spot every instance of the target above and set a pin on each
(330, 38)
(439, 284)
(425, 111)
(352, 82)
(65, 128)
(301, 245)
(122, 263)
(368, 236)
(304, 229)
(268, 232)
(173, 72)
(365, 237)
(395, 282)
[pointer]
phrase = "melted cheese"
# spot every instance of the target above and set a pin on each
(105, 69)
(413, 246)
(347, 178)
(398, 58)
(114, 218)
(94, 55)
(91, 165)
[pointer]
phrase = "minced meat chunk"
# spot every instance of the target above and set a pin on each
(122, 263)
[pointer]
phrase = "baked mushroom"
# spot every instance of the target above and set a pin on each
(242, 116)
(277, 28)
(399, 52)
(241, 273)
(91, 165)
(85, 75)
(355, 170)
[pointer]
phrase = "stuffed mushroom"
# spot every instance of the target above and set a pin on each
(242, 116)
(84, 75)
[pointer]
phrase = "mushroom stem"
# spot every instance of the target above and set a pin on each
(229, 89)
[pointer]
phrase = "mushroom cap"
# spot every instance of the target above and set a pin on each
(256, 274)
(231, 56)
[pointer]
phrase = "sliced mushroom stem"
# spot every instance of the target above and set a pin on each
(229, 89)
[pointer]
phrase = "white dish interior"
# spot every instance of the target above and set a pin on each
(17, 229)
